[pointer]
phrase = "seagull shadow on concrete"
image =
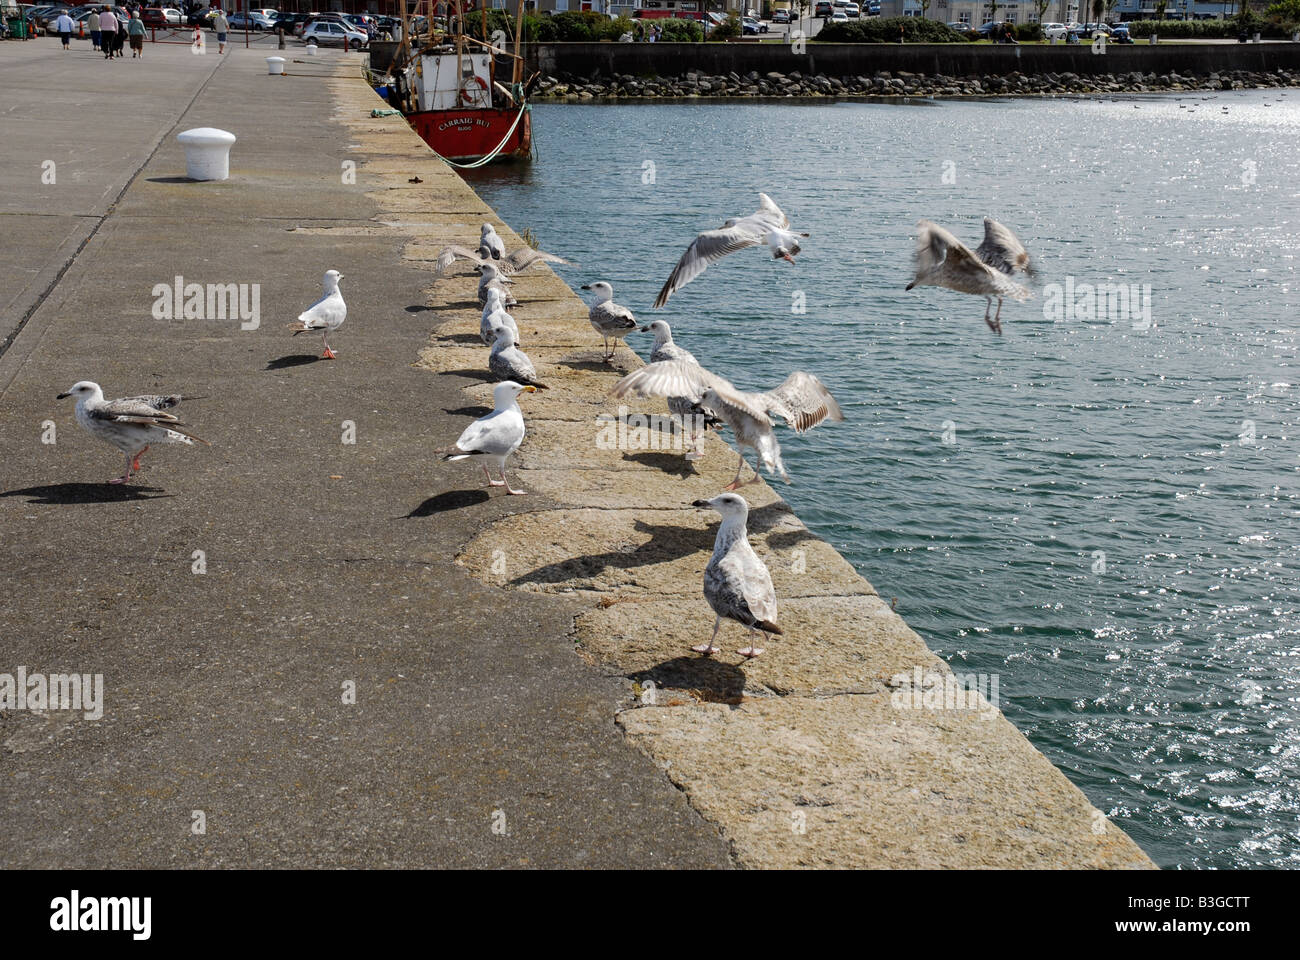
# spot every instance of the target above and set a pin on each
(474, 412)
(668, 462)
(68, 493)
(293, 360)
(668, 542)
(712, 679)
(420, 308)
(172, 180)
(468, 339)
(461, 305)
(596, 366)
(451, 500)
(485, 376)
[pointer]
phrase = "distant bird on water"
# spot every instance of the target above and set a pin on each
(736, 582)
(496, 435)
(767, 225)
(132, 424)
(326, 314)
(608, 318)
(944, 261)
(801, 400)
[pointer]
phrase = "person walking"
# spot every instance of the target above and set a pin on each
(135, 33)
(92, 24)
(222, 26)
(107, 32)
(119, 38)
(63, 27)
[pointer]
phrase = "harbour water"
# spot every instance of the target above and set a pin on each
(1098, 507)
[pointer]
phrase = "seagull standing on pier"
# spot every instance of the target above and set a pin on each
(326, 314)
(737, 584)
(132, 424)
(608, 318)
(491, 278)
(944, 261)
(494, 315)
(686, 409)
(767, 225)
(508, 362)
(490, 245)
(497, 435)
(801, 400)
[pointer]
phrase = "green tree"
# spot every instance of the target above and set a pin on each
(925, 7)
(1160, 9)
(1040, 7)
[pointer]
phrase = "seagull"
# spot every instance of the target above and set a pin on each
(1002, 249)
(491, 278)
(944, 261)
(801, 400)
(765, 225)
(494, 315)
(132, 424)
(608, 318)
(489, 243)
(326, 314)
(508, 362)
(497, 435)
(688, 412)
(736, 582)
(517, 262)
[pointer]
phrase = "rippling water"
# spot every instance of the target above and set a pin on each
(1102, 531)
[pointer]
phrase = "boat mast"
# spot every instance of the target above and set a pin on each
(517, 74)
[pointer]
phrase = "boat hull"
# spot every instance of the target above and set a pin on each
(466, 135)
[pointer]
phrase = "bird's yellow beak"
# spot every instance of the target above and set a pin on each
(530, 389)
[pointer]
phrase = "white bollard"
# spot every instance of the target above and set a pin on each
(207, 153)
(311, 49)
(275, 66)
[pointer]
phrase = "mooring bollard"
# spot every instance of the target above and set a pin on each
(311, 49)
(207, 153)
(275, 66)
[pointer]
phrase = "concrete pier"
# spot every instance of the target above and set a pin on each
(524, 694)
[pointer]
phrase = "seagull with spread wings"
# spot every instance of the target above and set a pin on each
(132, 424)
(767, 225)
(801, 400)
(944, 261)
(507, 266)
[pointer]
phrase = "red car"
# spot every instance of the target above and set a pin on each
(153, 17)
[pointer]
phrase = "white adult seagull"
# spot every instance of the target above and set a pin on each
(497, 435)
(736, 582)
(944, 261)
(132, 424)
(801, 400)
(765, 225)
(326, 314)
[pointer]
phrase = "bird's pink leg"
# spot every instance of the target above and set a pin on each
(708, 649)
(125, 478)
(135, 464)
(739, 469)
(750, 652)
(491, 482)
(328, 354)
(509, 489)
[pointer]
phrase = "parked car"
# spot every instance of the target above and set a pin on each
(1054, 31)
(839, 16)
(853, 11)
(873, 9)
(1090, 30)
(291, 22)
(1120, 34)
(332, 33)
(153, 17)
(780, 16)
(750, 25)
(823, 9)
(249, 21)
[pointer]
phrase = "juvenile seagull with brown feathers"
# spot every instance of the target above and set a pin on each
(767, 225)
(736, 582)
(801, 400)
(132, 424)
(507, 266)
(944, 261)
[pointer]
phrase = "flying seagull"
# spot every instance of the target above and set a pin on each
(1002, 249)
(495, 436)
(520, 260)
(132, 424)
(944, 261)
(765, 225)
(326, 314)
(801, 400)
(494, 315)
(736, 582)
(694, 419)
(508, 362)
(608, 318)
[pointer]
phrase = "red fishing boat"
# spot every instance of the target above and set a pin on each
(449, 87)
